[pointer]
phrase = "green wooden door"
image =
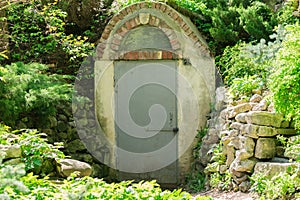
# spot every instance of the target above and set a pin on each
(146, 120)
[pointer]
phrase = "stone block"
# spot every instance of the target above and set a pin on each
(264, 118)
(243, 165)
(236, 125)
(250, 130)
(67, 166)
(263, 105)
(265, 148)
(11, 151)
(232, 112)
(256, 98)
(286, 131)
(241, 117)
(266, 131)
(271, 169)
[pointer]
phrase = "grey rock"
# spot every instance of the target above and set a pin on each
(264, 118)
(271, 169)
(243, 165)
(263, 105)
(241, 117)
(232, 112)
(245, 186)
(250, 130)
(285, 124)
(256, 98)
(286, 131)
(265, 148)
(236, 125)
(11, 151)
(66, 167)
(266, 131)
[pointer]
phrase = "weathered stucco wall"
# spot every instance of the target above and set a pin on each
(195, 68)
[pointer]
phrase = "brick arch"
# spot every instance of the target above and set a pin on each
(150, 20)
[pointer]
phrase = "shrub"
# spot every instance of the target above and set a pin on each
(28, 93)
(37, 34)
(285, 79)
(37, 155)
(285, 185)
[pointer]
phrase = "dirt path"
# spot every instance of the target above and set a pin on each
(219, 195)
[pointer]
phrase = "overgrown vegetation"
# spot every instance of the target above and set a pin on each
(29, 94)
(281, 186)
(257, 47)
(196, 179)
(19, 182)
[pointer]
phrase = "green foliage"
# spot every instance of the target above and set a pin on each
(281, 186)
(37, 33)
(37, 154)
(195, 180)
(26, 90)
(221, 181)
(291, 145)
(285, 79)
(245, 87)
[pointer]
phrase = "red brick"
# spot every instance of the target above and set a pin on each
(157, 5)
(175, 15)
(128, 10)
(185, 27)
(144, 5)
(170, 56)
(163, 7)
(164, 55)
(136, 55)
(128, 25)
(124, 12)
(133, 23)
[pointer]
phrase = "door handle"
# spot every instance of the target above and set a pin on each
(175, 130)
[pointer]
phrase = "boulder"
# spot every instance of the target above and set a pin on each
(243, 165)
(11, 151)
(208, 141)
(286, 131)
(263, 105)
(265, 148)
(241, 117)
(264, 118)
(250, 130)
(245, 186)
(66, 167)
(256, 98)
(266, 131)
(271, 169)
(236, 125)
(233, 111)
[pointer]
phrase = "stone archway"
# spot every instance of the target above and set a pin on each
(153, 37)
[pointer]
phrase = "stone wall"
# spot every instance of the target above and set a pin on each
(248, 131)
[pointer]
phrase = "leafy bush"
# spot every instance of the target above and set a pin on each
(285, 79)
(221, 181)
(245, 87)
(37, 155)
(37, 33)
(28, 93)
(282, 186)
